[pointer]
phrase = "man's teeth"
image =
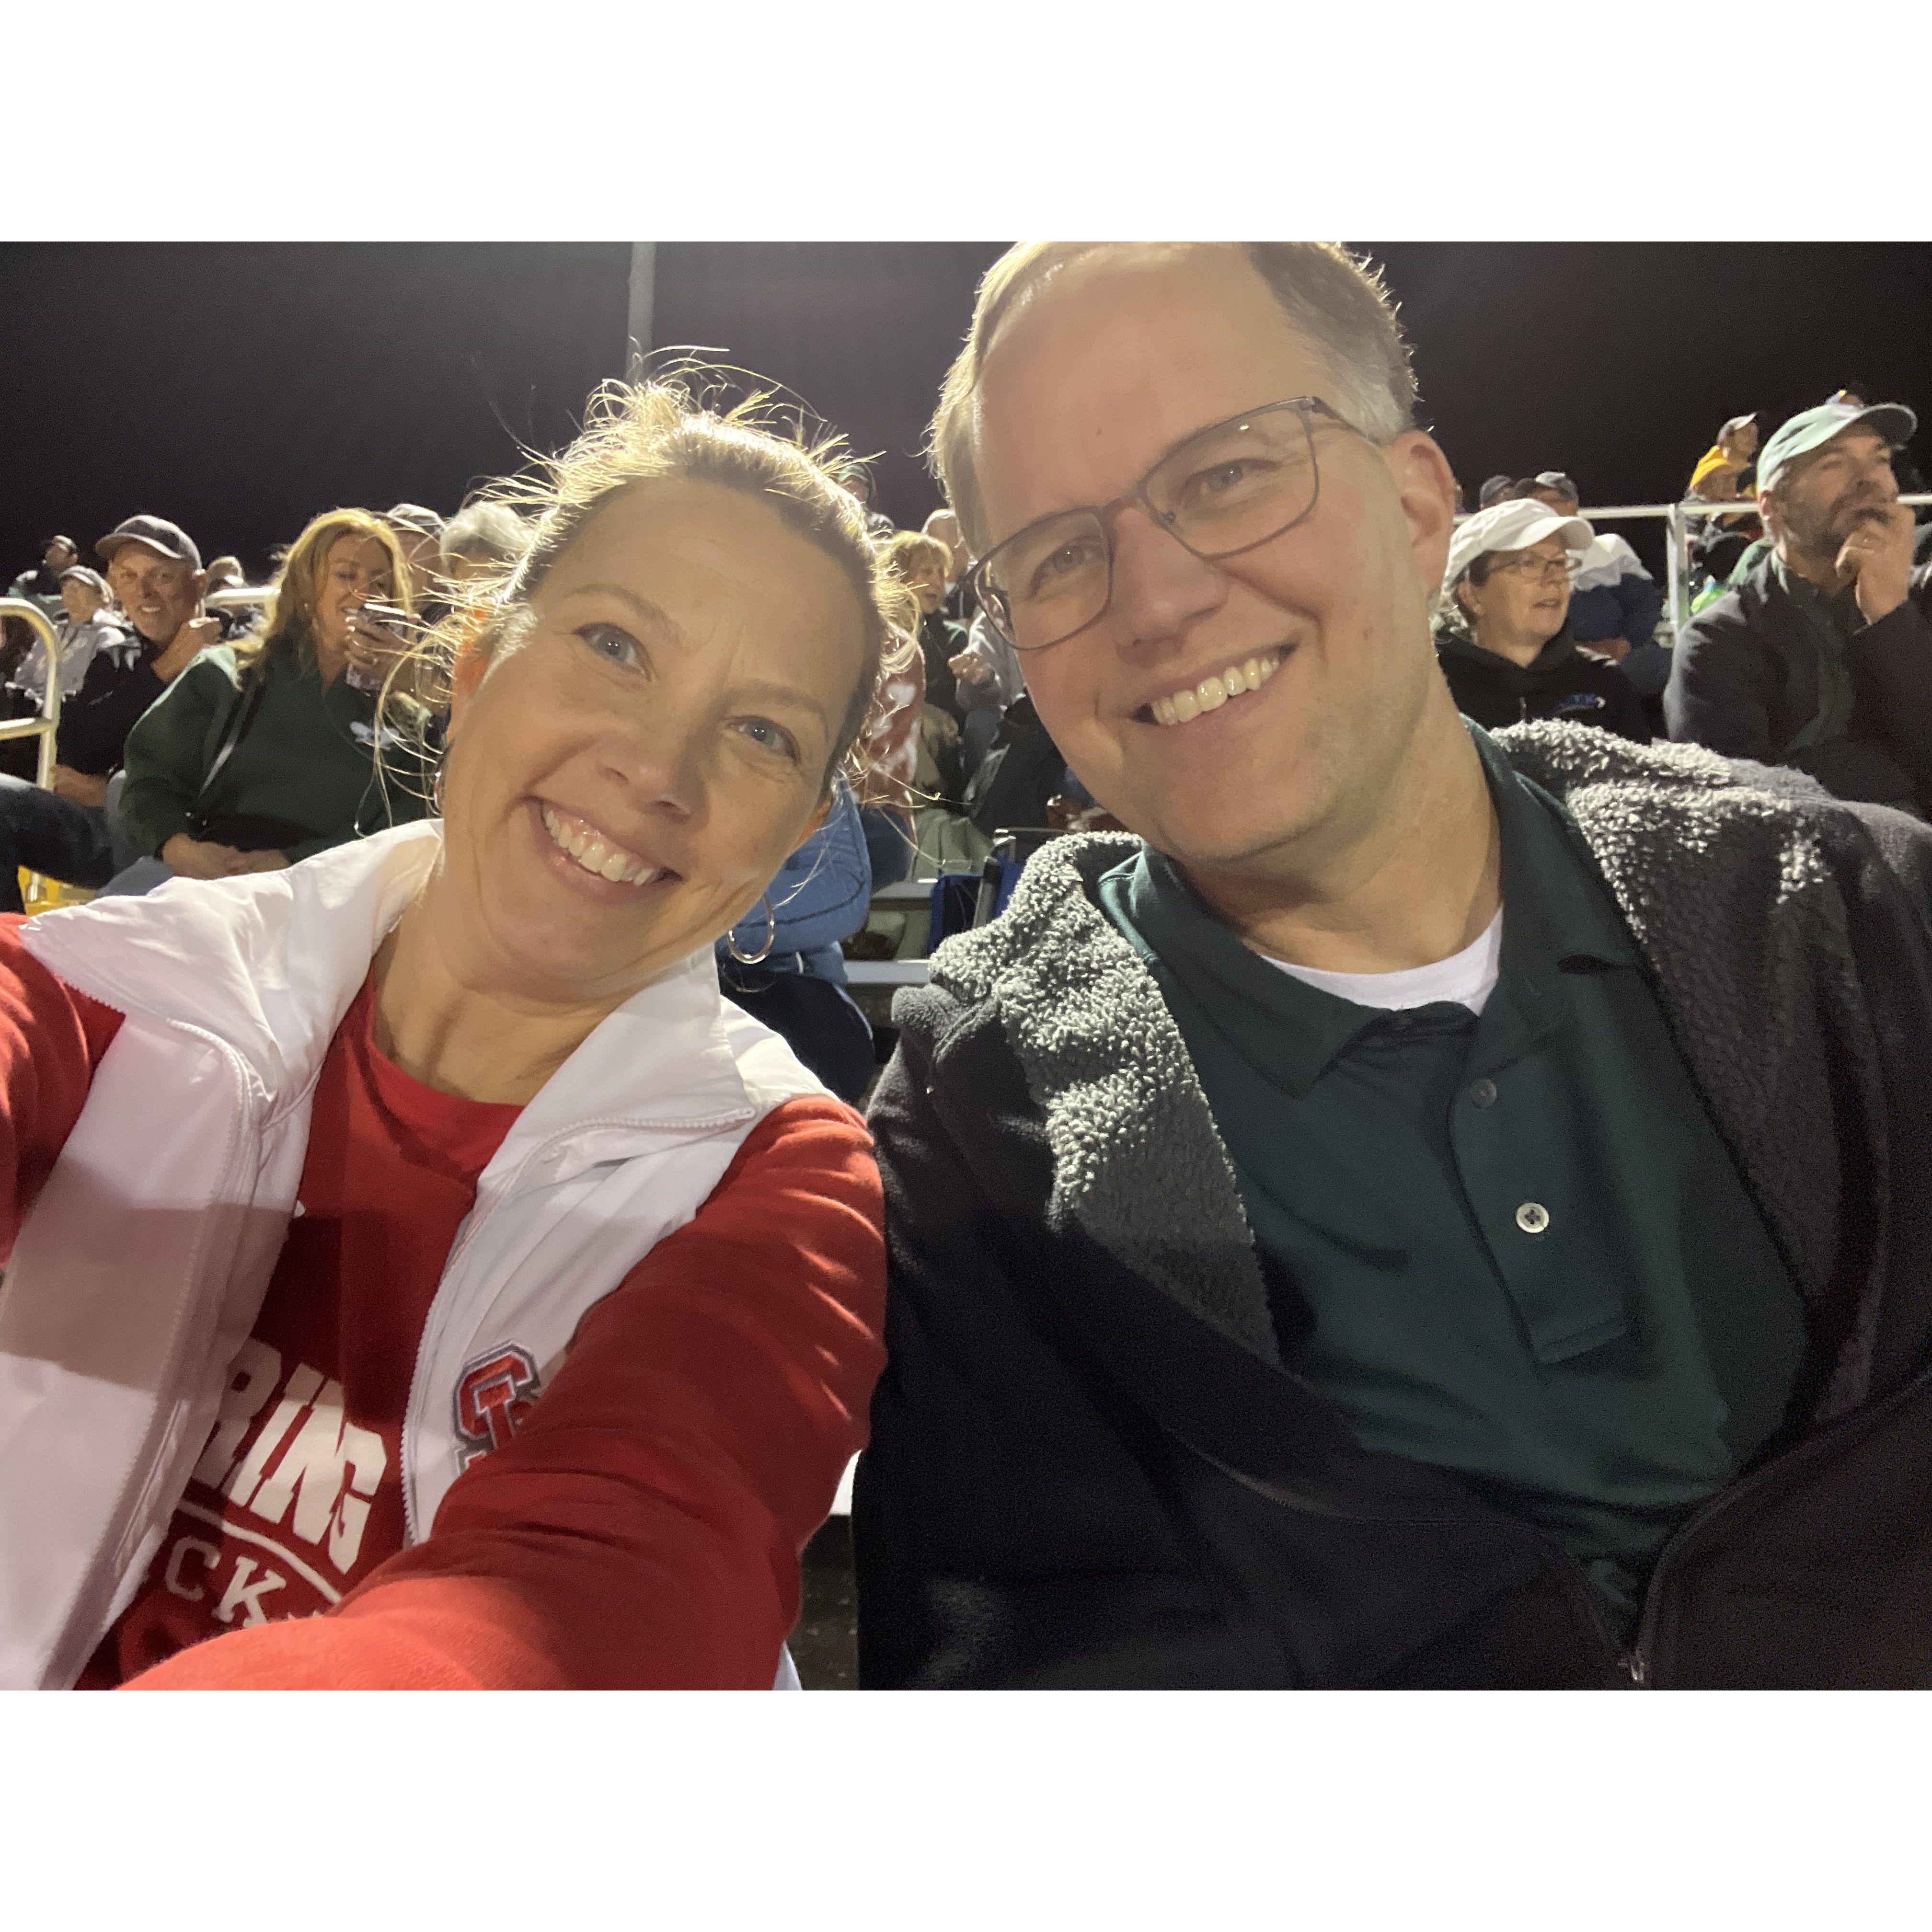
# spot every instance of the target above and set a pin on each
(1211, 693)
(597, 854)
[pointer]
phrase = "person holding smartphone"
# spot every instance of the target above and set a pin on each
(268, 751)
(418, 1274)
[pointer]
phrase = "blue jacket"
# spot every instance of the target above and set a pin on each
(823, 892)
(1614, 596)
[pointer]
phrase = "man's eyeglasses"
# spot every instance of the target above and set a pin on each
(1542, 569)
(1228, 488)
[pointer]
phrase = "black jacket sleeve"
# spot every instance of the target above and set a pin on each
(1723, 688)
(1892, 667)
(1623, 710)
(94, 723)
(1008, 1527)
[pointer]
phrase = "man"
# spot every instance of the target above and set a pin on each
(1443, 1210)
(480, 539)
(42, 585)
(987, 677)
(1614, 601)
(154, 571)
(1821, 658)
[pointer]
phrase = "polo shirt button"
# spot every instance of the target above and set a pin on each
(1532, 1217)
(1484, 1093)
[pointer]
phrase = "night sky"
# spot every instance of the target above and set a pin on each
(240, 388)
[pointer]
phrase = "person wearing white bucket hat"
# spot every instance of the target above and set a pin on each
(1502, 636)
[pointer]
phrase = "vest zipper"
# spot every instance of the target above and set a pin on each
(1636, 1663)
(1641, 1660)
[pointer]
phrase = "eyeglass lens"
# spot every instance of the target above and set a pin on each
(1225, 491)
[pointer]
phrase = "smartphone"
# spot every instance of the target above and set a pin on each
(392, 618)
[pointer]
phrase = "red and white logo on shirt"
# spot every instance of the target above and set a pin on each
(494, 1394)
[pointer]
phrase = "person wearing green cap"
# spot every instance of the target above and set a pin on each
(1821, 658)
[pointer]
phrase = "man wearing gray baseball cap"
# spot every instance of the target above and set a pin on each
(1821, 657)
(67, 832)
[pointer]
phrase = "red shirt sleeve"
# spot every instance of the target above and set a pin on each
(643, 1530)
(51, 1040)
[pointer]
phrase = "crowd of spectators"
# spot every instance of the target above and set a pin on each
(1197, 1075)
(259, 739)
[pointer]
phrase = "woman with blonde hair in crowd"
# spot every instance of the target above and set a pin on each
(420, 1275)
(264, 752)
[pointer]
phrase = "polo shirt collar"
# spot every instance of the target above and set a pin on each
(1556, 911)
(1835, 612)
(1556, 908)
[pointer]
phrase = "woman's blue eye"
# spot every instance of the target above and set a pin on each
(618, 645)
(771, 737)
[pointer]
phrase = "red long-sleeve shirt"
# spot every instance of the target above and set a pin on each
(641, 1528)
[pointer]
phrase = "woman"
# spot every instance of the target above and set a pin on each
(1500, 636)
(920, 562)
(430, 1246)
(262, 754)
(1615, 602)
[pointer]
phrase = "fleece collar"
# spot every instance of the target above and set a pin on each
(1730, 896)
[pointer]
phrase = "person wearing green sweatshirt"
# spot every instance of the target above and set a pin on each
(263, 753)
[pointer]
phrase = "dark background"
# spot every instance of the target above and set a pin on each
(240, 388)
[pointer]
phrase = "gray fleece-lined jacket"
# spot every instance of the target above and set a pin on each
(1088, 1463)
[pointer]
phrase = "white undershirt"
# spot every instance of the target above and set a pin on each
(1465, 979)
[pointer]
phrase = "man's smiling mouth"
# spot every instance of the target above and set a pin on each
(1191, 701)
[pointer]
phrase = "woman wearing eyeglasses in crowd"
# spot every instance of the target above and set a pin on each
(420, 1275)
(1500, 636)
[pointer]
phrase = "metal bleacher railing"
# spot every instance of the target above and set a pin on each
(1678, 519)
(46, 727)
(47, 723)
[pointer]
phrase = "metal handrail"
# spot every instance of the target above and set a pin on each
(47, 724)
(242, 597)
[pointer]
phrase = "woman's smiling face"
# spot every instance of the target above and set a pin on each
(645, 746)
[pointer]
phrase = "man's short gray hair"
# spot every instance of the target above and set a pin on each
(492, 531)
(1336, 301)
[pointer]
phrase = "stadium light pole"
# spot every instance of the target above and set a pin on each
(643, 295)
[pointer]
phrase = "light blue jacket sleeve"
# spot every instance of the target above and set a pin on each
(823, 892)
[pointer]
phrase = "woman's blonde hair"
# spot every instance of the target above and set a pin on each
(904, 548)
(673, 427)
(290, 626)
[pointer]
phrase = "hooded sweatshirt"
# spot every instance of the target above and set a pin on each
(1560, 682)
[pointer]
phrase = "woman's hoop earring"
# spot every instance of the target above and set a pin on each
(435, 794)
(771, 937)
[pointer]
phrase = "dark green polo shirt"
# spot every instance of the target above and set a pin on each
(1510, 1245)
